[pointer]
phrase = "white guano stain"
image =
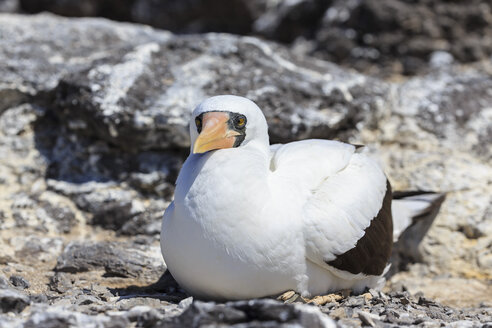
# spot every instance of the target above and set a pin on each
(122, 76)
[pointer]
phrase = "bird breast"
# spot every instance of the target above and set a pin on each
(227, 227)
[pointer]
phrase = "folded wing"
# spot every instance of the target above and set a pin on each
(347, 217)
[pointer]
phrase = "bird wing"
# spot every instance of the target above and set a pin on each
(347, 216)
(309, 162)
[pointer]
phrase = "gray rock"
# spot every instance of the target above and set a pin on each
(4, 283)
(440, 59)
(287, 20)
(396, 309)
(254, 313)
(153, 183)
(111, 208)
(12, 300)
(146, 223)
(338, 313)
(113, 9)
(142, 303)
(7, 321)
(80, 159)
(9, 6)
(379, 37)
(117, 259)
(58, 317)
(195, 16)
(60, 282)
(86, 300)
(42, 249)
(383, 36)
(354, 302)
(144, 316)
(62, 215)
(153, 113)
(184, 304)
(136, 90)
(38, 298)
(121, 209)
(367, 318)
(71, 189)
(452, 108)
(58, 52)
(190, 16)
(19, 281)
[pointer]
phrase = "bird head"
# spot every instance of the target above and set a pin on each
(223, 122)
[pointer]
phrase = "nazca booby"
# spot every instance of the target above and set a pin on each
(251, 220)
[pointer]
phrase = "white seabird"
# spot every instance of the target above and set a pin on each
(251, 220)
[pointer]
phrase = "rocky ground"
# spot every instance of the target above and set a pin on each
(377, 37)
(93, 130)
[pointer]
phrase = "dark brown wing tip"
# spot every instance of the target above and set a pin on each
(372, 252)
(433, 200)
(399, 194)
(359, 148)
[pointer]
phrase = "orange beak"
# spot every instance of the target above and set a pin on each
(215, 133)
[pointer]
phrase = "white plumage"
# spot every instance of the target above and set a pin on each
(249, 220)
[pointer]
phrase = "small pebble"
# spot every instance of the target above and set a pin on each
(184, 304)
(367, 297)
(368, 318)
(19, 282)
(338, 313)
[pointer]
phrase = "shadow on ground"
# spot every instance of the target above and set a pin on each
(164, 289)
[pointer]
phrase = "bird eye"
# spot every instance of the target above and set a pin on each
(198, 123)
(240, 121)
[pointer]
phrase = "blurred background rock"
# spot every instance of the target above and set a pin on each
(94, 129)
(378, 37)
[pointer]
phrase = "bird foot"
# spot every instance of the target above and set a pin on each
(289, 297)
(325, 299)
